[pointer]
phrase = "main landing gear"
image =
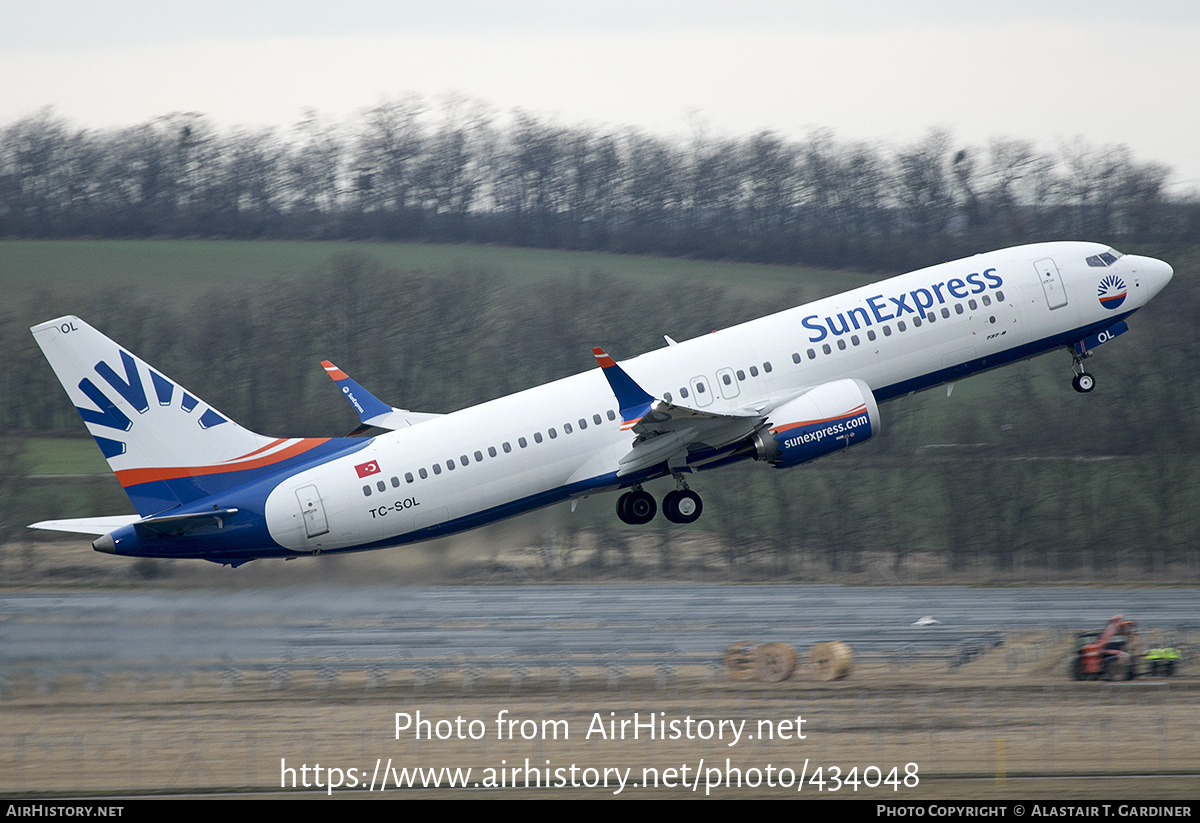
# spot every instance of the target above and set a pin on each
(637, 507)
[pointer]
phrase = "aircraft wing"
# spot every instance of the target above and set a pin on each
(666, 431)
(371, 410)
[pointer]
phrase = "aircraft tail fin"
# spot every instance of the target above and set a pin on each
(166, 445)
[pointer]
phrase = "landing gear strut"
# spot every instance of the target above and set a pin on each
(1082, 382)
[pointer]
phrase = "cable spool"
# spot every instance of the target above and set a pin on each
(739, 660)
(831, 661)
(774, 662)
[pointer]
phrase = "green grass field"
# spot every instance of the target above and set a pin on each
(189, 267)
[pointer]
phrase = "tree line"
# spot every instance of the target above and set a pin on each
(405, 171)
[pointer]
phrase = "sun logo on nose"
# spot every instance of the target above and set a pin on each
(1111, 291)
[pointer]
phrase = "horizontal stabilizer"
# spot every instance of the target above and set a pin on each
(167, 524)
(180, 523)
(371, 410)
(88, 525)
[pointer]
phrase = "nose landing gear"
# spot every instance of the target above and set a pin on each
(1082, 382)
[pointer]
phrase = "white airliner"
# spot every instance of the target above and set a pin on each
(785, 389)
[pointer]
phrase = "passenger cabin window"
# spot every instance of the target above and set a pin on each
(522, 442)
(612, 415)
(842, 344)
(366, 491)
(381, 485)
(812, 355)
(582, 423)
(424, 474)
(479, 456)
(596, 418)
(437, 468)
(825, 348)
(537, 437)
(767, 367)
(491, 451)
(408, 477)
(754, 371)
(796, 356)
(553, 433)
(507, 447)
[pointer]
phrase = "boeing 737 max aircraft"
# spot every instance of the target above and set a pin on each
(785, 389)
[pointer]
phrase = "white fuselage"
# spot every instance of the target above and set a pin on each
(542, 445)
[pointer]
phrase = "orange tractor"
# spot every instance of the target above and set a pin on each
(1113, 654)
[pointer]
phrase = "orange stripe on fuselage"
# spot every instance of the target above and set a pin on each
(135, 477)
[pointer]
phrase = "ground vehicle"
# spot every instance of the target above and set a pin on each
(1115, 653)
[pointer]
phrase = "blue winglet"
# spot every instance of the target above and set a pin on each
(366, 404)
(632, 398)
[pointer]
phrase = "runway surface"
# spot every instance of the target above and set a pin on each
(492, 624)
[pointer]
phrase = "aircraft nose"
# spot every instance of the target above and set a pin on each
(1155, 273)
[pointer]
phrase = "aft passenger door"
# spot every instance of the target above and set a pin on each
(315, 522)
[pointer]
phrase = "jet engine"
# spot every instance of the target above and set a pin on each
(825, 419)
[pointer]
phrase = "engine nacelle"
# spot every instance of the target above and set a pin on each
(825, 419)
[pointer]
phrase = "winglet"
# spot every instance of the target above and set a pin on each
(366, 404)
(632, 398)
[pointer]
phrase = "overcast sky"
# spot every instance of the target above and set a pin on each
(1049, 71)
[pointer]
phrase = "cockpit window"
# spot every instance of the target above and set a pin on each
(1104, 258)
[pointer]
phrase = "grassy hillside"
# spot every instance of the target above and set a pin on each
(170, 268)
